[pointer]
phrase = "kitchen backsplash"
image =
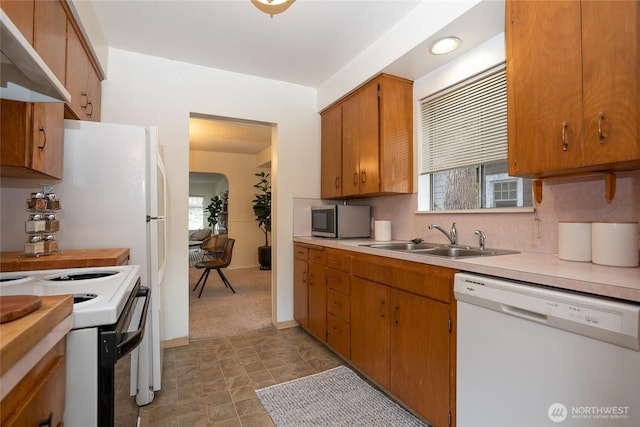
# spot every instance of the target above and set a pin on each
(563, 200)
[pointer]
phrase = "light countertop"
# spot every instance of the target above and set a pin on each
(543, 269)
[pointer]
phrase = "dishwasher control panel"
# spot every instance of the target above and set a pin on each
(599, 318)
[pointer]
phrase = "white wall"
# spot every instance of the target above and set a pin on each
(145, 90)
(423, 22)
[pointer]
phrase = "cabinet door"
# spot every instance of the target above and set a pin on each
(369, 129)
(44, 406)
(370, 329)
(50, 35)
(94, 90)
(544, 86)
(396, 135)
(420, 355)
(317, 301)
(81, 79)
(33, 145)
(48, 138)
(21, 14)
(301, 292)
(611, 63)
(331, 180)
(360, 149)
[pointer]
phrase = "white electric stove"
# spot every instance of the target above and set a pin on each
(100, 293)
(109, 319)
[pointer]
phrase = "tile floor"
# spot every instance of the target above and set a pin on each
(212, 382)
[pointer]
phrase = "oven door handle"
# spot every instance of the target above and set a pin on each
(131, 340)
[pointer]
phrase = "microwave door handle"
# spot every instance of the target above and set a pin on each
(131, 340)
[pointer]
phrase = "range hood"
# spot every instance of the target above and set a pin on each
(24, 76)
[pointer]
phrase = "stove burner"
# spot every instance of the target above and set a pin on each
(82, 276)
(78, 298)
(11, 278)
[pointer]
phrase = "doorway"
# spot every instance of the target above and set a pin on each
(230, 151)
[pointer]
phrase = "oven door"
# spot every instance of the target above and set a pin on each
(115, 407)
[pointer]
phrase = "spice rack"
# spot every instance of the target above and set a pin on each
(42, 223)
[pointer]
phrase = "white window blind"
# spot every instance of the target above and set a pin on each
(465, 125)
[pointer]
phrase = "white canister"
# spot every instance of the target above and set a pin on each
(574, 241)
(615, 244)
(382, 230)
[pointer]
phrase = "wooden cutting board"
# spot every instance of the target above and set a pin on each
(13, 307)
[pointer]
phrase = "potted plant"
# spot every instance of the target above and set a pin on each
(262, 211)
(214, 209)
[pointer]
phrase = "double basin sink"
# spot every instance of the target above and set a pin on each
(438, 250)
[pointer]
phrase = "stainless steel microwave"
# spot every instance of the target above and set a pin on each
(341, 221)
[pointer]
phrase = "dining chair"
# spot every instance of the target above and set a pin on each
(216, 264)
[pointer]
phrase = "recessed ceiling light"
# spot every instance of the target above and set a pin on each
(445, 45)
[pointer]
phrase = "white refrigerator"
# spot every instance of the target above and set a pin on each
(112, 195)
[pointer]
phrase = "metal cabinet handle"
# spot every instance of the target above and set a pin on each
(396, 311)
(565, 139)
(363, 176)
(89, 111)
(355, 177)
(44, 142)
(304, 276)
(602, 132)
(86, 97)
(382, 309)
(46, 422)
(337, 183)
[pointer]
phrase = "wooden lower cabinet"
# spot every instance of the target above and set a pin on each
(317, 294)
(370, 329)
(339, 302)
(419, 355)
(392, 320)
(301, 291)
(402, 335)
(39, 399)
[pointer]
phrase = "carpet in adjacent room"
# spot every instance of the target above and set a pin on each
(337, 398)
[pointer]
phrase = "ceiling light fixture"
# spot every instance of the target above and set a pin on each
(272, 7)
(445, 45)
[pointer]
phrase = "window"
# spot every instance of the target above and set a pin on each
(463, 148)
(196, 212)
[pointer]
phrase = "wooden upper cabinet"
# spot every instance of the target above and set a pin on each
(33, 145)
(21, 14)
(572, 86)
(360, 148)
(81, 79)
(331, 157)
(611, 70)
(50, 37)
(376, 137)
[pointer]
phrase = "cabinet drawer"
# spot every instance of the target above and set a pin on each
(339, 281)
(338, 260)
(318, 256)
(44, 405)
(301, 253)
(426, 280)
(339, 336)
(339, 305)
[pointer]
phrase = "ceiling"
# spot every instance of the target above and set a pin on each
(305, 45)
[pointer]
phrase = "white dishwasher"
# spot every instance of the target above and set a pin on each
(532, 356)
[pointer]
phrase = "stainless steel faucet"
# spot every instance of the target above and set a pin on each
(451, 235)
(482, 237)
